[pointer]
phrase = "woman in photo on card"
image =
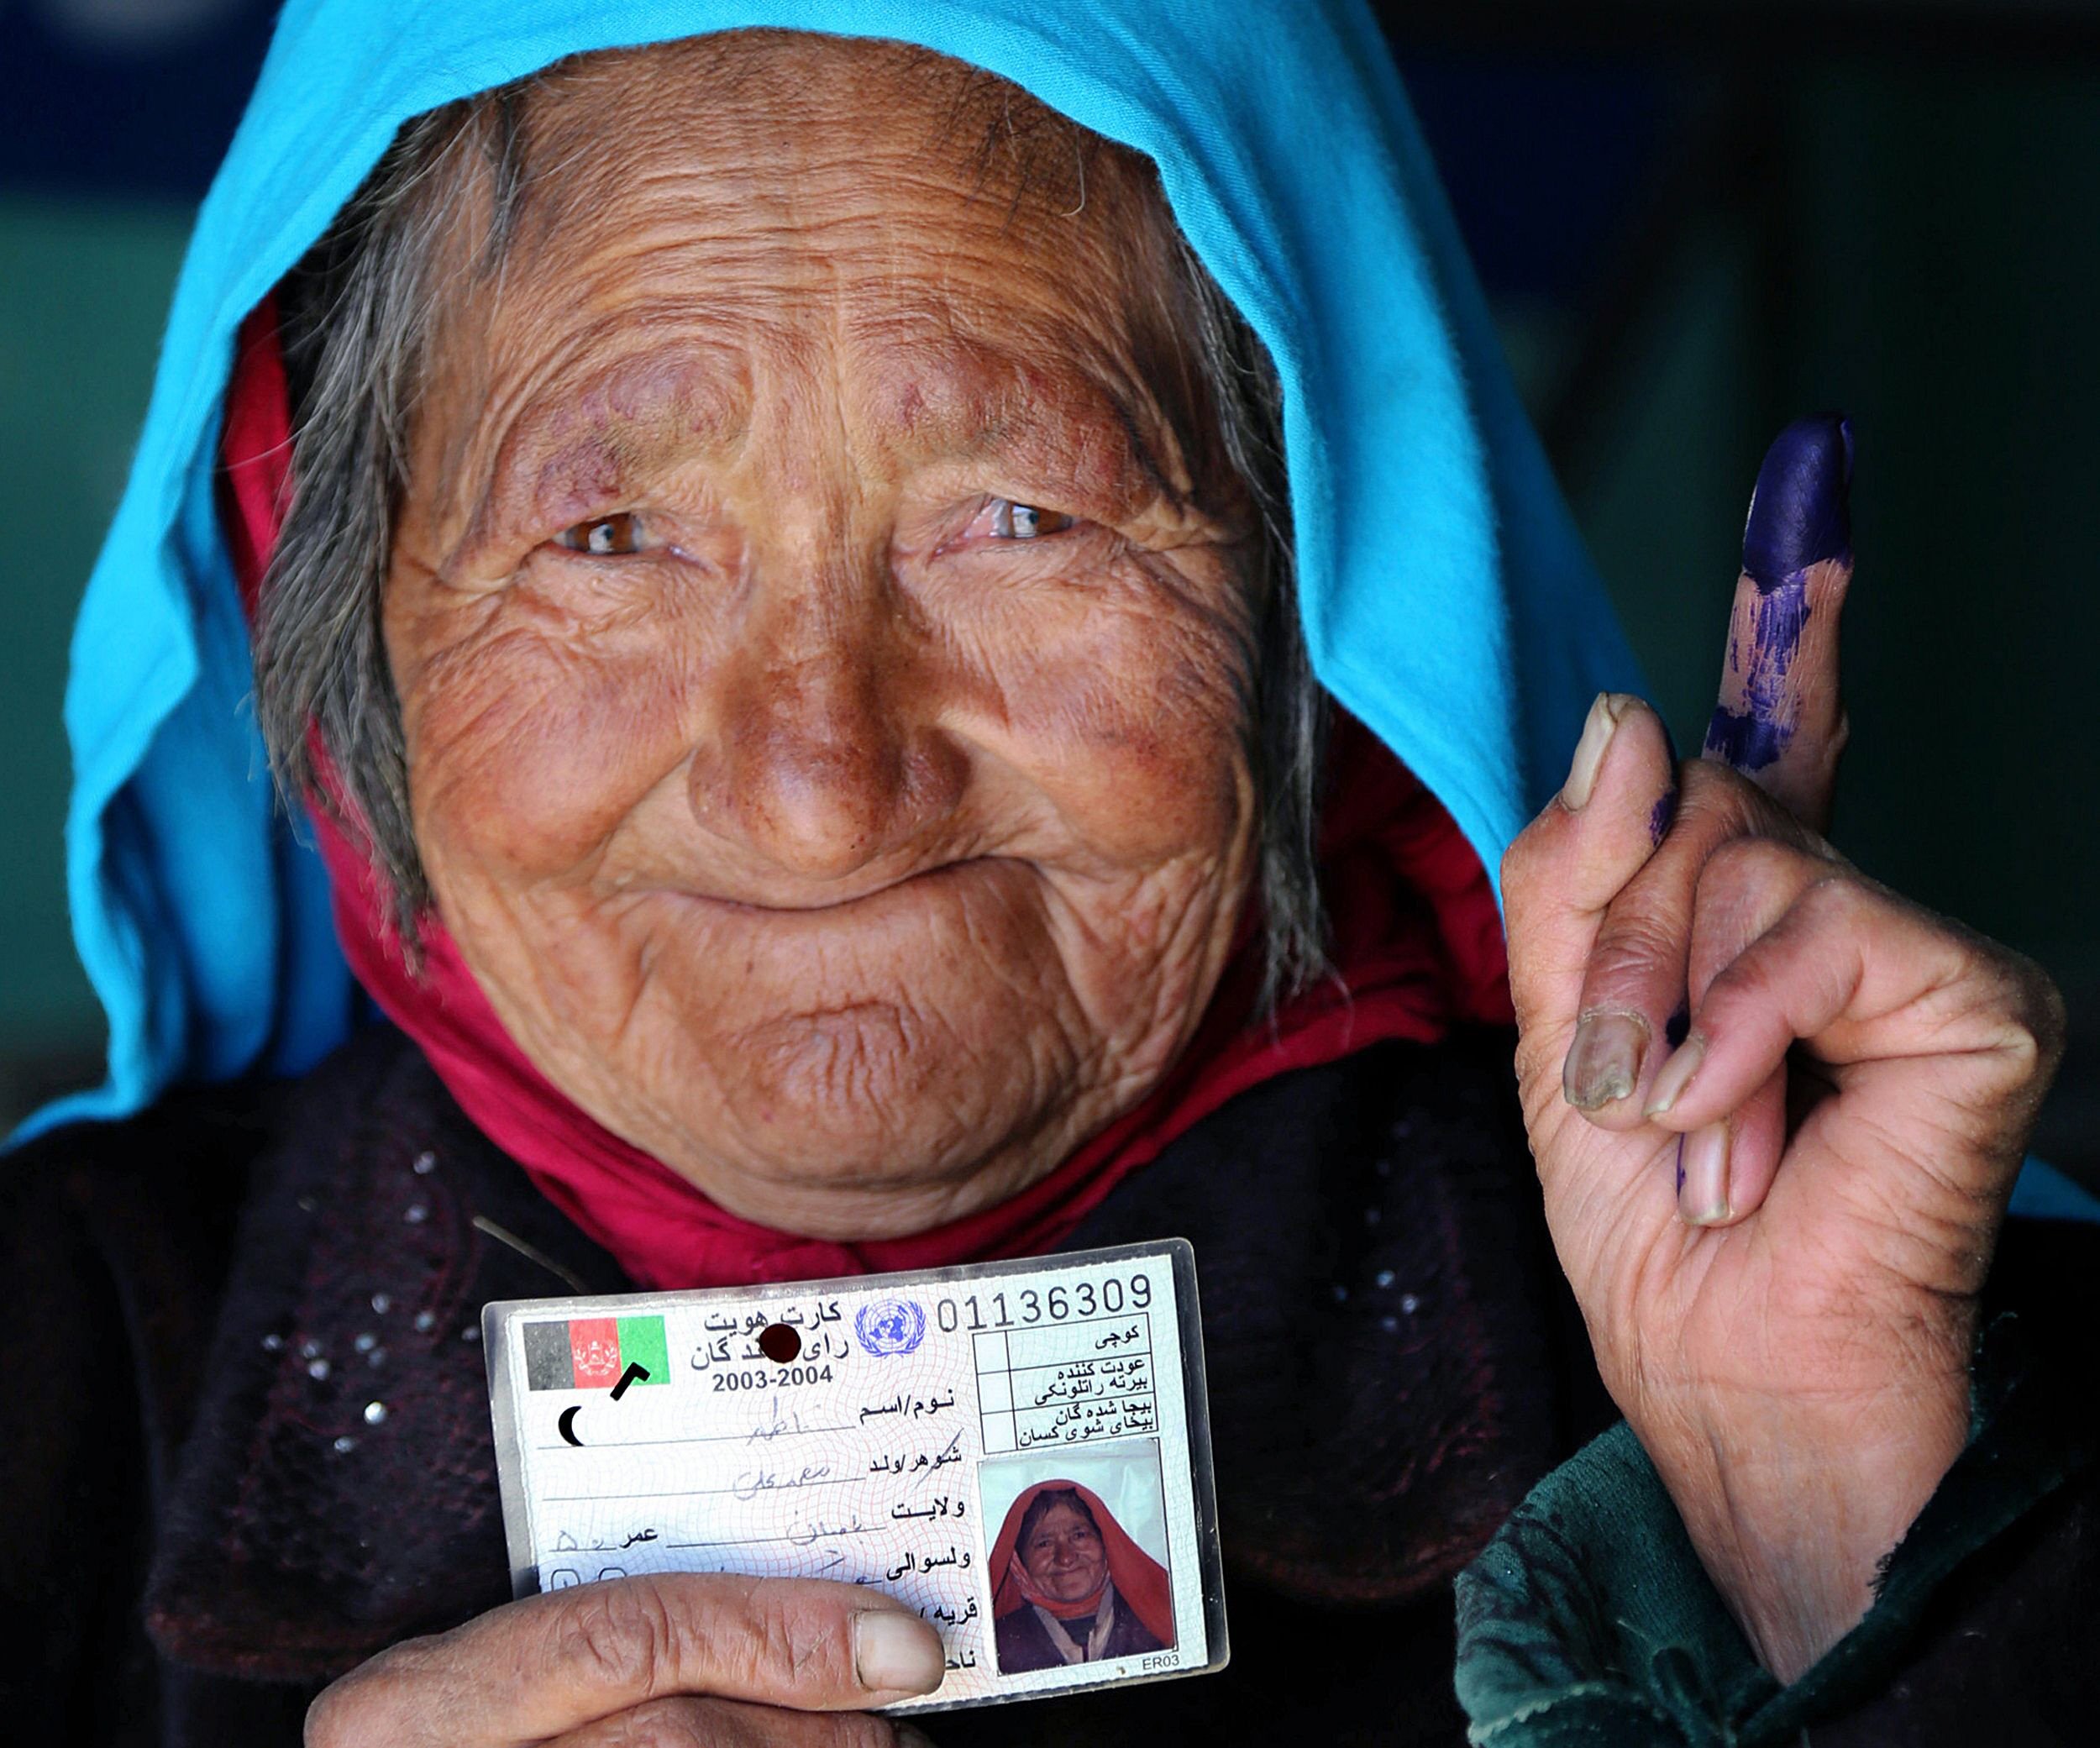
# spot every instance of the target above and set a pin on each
(895, 633)
(1070, 1585)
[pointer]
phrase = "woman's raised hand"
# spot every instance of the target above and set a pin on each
(1776, 1229)
(672, 1662)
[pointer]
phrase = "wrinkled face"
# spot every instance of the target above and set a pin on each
(1064, 1555)
(821, 621)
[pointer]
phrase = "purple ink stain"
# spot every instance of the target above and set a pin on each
(1753, 738)
(1743, 741)
(1799, 515)
(1659, 818)
(1666, 806)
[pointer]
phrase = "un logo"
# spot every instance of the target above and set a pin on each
(890, 1326)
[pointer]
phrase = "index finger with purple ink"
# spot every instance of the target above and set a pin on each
(1781, 718)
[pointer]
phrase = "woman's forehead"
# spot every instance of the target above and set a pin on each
(786, 176)
(764, 106)
(715, 232)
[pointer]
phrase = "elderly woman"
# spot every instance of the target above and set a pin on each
(786, 573)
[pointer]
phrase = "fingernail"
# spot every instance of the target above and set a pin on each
(1703, 1191)
(1675, 1075)
(1605, 1061)
(896, 1653)
(1597, 729)
(1801, 512)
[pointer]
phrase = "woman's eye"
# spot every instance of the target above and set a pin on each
(608, 536)
(1025, 521)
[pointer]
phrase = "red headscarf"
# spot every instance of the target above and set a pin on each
(1141, 1581)
(1416, 946)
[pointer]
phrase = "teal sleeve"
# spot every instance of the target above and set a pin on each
(1589, 1619)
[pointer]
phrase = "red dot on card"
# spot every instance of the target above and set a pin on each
(780, 1344)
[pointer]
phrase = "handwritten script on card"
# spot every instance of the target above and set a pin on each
(882, 1431)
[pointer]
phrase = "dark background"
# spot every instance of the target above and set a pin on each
(1695, 221)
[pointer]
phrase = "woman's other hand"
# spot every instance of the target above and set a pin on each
(1778, 1229)
(682, 1659)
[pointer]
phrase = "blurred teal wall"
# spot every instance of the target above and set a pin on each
(83, 288)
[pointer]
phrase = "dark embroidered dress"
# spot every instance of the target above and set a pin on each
(245, 1336)
(256, 1270)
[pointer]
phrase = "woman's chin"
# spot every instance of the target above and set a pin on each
(862, 1073)
(861, 1122)
(845, 1189)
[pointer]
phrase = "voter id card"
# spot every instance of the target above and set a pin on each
(1019, 1450)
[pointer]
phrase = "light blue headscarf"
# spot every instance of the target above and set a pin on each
(1448, 601)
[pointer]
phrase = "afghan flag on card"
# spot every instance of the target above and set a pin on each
(593, 1353)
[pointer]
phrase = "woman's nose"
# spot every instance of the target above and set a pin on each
(826, 758)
